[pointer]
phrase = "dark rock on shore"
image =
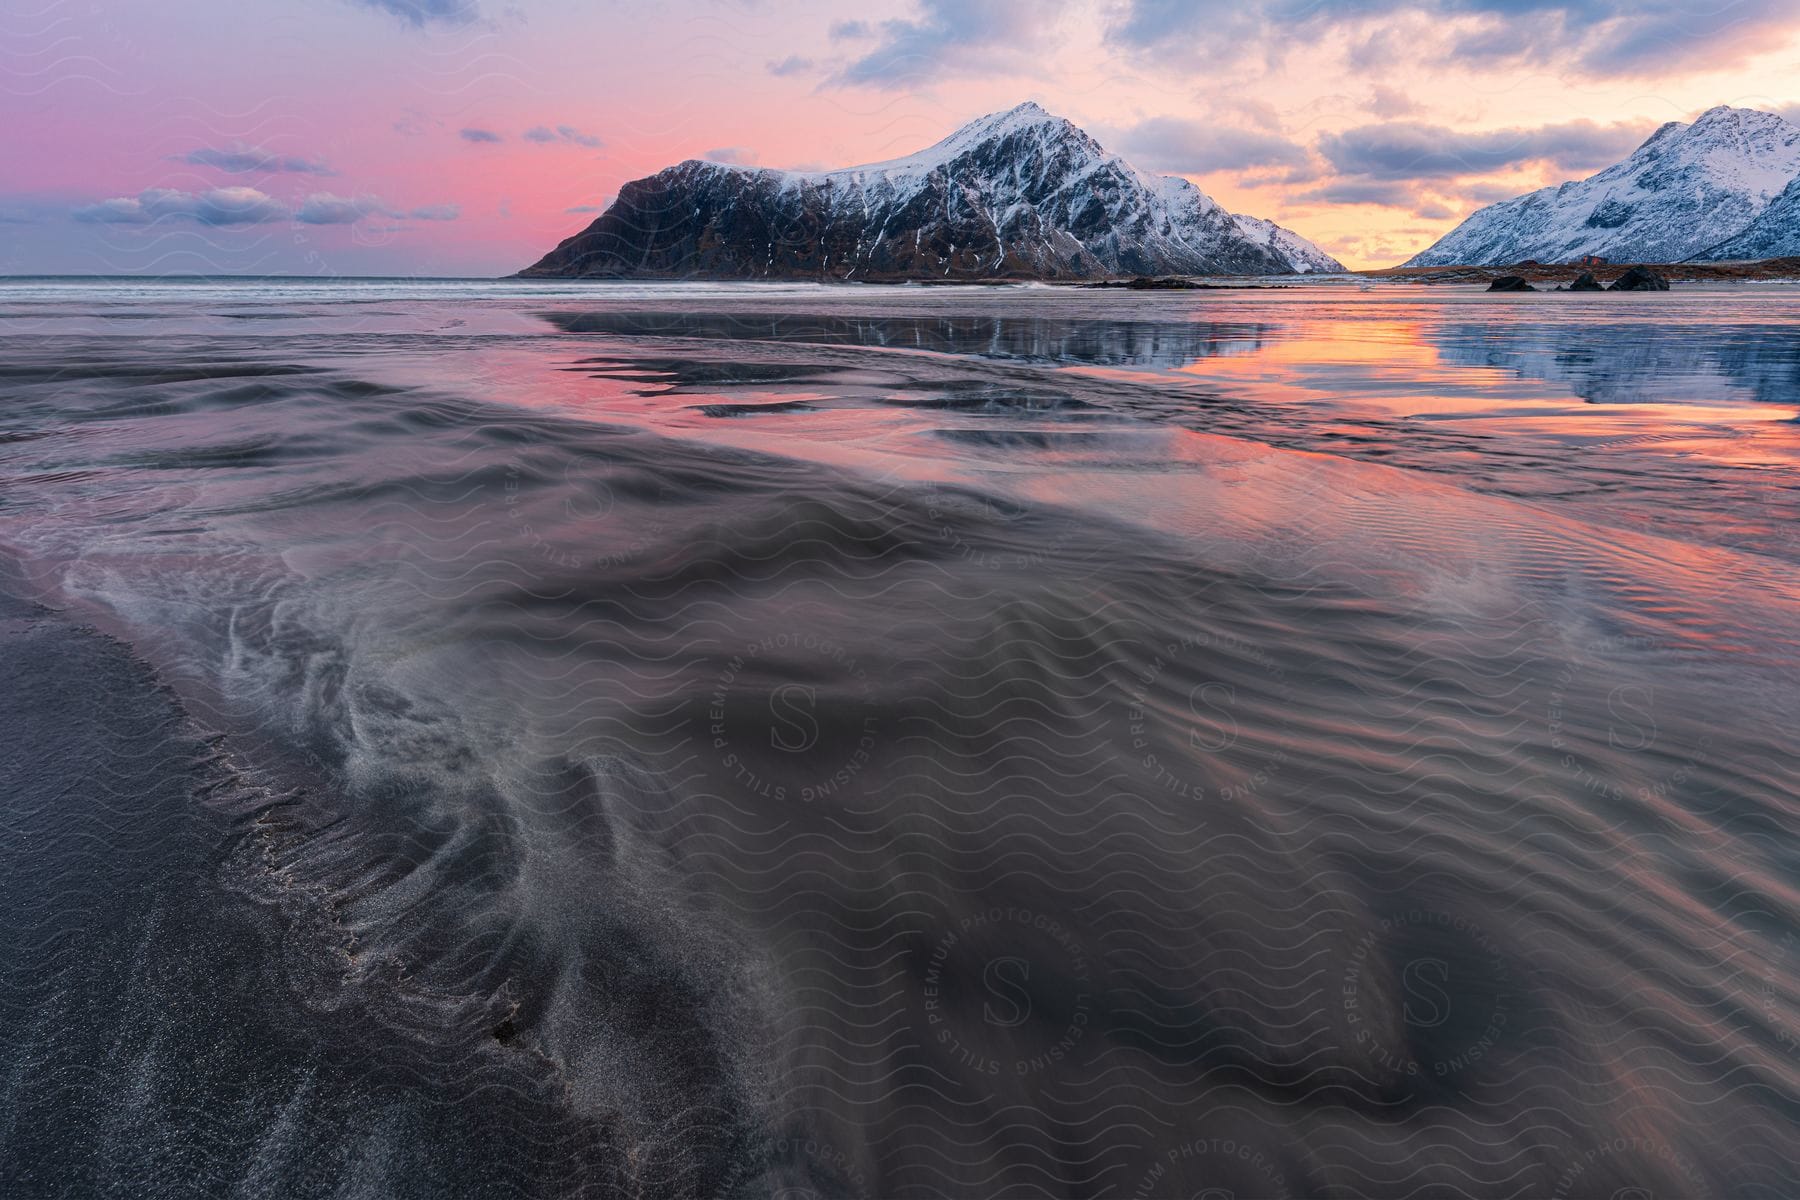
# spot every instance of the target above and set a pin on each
(1676, 272)
(1510, 283)
(1585, 282)
(1148, 283)
(1169, 283)
(1640, 279)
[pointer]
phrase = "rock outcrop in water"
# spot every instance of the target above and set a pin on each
(1639, 279)
(1719, 189)
(1015, 195)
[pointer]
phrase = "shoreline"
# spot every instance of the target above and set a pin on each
(1773, 270)
(1748, 271)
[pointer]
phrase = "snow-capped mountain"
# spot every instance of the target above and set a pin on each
(1018, 194)
(1685, 193)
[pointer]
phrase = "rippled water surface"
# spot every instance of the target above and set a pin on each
(481, 739)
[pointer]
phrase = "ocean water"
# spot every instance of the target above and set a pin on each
(486, 739)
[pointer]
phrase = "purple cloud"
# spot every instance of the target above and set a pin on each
(1604, 37)
(420, 13)
(1403, 150)
(479, 136)
(240, 159)
(1388, 103)
(1392, 193)
(1194, 147)
(247, 206)
(323, 208)
(949, 37)
(543, 135)
(733, 155)
(793, 64)
(218, 206)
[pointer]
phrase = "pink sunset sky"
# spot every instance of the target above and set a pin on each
(466, 137)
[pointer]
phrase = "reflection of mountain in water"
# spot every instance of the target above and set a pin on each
(1638, 363)
(1111, 343)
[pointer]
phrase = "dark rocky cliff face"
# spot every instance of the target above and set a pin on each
(1016, 195)
(694, 220)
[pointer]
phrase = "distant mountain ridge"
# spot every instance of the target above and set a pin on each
(1020, 194)
(1718, 189)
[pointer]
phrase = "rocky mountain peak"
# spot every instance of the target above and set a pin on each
(1016, 194)
(1724, 116)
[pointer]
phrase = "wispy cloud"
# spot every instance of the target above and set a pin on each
(420, 13)
(545, 135)
(1394, 193)
(734, 155)
(413, 123)
(1389, 103)
(1625, 37)
(1600, 37)
(1403, 150)
(239, 159)
(1196, 147)
(793, 64)
(479, 136)
(948, 37)
(324, 208)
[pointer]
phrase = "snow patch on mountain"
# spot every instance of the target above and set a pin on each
(1774, 234)
(1687, 190)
